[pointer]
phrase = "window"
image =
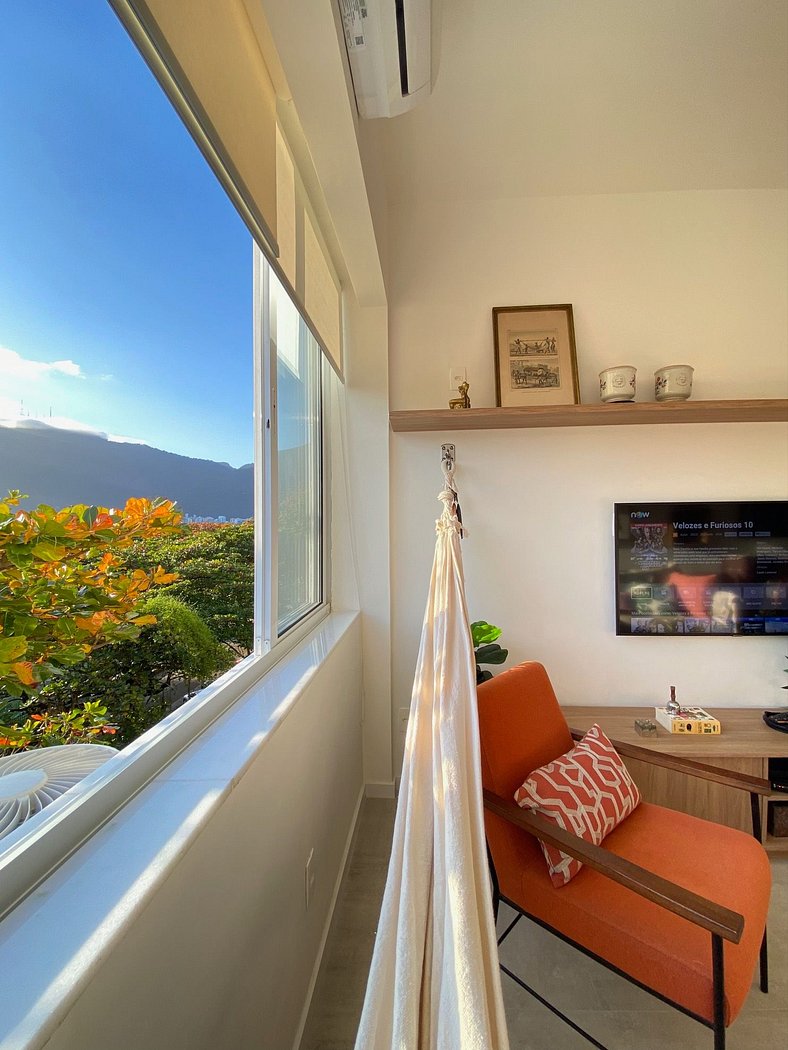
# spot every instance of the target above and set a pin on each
(298, 456)
(127, 349)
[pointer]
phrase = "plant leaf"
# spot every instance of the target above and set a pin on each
(48, 552)
(12, 648)
(24, 672)
(491, 654)
(18, 554)
(483, 632)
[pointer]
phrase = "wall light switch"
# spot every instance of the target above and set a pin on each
(457, 374)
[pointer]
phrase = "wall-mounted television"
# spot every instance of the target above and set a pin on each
(701, 569)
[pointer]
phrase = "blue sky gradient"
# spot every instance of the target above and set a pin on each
(119, 252)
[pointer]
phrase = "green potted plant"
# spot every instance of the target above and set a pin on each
(486, 648)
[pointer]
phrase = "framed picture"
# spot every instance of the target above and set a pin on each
(535, 362)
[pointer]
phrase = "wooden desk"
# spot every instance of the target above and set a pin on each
(745, 745)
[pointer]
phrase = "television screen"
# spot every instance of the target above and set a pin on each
(702, 568)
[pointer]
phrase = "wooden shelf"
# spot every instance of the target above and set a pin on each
(628, 414)
(774, 843)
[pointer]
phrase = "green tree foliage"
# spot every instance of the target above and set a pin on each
(139, 682)
(65, 587)
(81, 726)
(215, 568)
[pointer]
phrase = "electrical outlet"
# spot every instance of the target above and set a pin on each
(309, 879)
(457, 374)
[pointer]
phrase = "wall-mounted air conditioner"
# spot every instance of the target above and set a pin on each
(388, 47)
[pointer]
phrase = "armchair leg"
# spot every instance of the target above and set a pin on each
(495, 885)
(718, 991)
(764, 965)
(755, 810)
(757, 830)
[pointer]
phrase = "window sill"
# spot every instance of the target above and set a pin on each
(93, 897)
(35, 849)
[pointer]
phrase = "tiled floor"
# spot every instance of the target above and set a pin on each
(612, 1010)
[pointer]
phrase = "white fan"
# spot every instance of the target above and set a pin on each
(31, 780)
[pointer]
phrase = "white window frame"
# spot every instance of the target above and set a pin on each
(32, 851)
(266, 495)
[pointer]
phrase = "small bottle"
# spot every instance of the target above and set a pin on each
(672, 706)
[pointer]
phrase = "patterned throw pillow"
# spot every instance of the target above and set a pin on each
(587, 791)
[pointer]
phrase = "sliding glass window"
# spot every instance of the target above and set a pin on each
(127, 373)
(297, 495)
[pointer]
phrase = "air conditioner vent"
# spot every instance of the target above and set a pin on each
(388, 45)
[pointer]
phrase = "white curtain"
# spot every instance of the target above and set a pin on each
(434, 983)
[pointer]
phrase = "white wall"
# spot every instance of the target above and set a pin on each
(654, 279)
(223, 953)
(313, 61)
(363, 434)
(568, 97)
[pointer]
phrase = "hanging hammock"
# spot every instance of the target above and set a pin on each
(434, 982)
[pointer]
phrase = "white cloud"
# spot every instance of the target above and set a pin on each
(11, 416)
(17, 399)
(14, 366)
(61, 423)
(9, 408)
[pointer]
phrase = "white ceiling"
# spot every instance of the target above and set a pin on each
(596, 96)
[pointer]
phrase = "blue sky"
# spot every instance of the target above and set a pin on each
(125, 272)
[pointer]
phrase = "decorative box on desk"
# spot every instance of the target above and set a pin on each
(745, 745)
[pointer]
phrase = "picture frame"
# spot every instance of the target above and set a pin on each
(535, 357)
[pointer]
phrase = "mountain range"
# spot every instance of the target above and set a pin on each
(62, 467)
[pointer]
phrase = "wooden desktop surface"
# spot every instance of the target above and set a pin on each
(745, 745)
(743, 733)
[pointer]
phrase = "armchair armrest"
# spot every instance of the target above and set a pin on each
(712, 917)
(727, 777)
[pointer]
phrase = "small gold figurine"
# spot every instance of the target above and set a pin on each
(463, 401)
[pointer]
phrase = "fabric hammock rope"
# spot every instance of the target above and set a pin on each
(451, 502)
(434, 983)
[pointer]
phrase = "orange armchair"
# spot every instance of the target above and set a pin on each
(675, 904)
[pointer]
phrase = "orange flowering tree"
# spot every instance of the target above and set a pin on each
(64, 587)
